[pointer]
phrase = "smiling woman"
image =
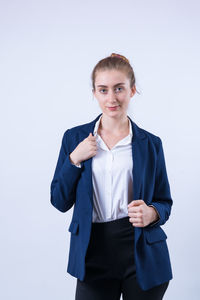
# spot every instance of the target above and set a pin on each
(113, 82)
(113, 92)
(114, 174)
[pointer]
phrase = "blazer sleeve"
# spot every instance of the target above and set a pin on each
(66, 175)
(162, 200)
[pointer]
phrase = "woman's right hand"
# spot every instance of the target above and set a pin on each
(85, 149)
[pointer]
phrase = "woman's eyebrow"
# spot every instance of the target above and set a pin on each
(120, 83)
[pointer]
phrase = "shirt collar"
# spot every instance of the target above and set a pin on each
(97, 126)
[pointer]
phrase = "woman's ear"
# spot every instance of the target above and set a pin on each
(133, 91)
(93, 94)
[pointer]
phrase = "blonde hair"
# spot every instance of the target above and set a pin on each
(117, 62)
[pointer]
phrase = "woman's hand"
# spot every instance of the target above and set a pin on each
(85, 149)
(141, 214)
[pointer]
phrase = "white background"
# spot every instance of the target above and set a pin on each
(47, 52)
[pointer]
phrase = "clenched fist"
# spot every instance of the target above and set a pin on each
(85, 149)
(141, 214)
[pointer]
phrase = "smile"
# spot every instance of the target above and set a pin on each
(113, 107)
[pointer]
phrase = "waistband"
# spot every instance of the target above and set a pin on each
(116, 222)
(114, 229)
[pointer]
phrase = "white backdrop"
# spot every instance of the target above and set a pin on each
(47, 53)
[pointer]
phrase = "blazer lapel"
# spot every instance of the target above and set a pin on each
(88, 163)
(139, 155)
(139, 149)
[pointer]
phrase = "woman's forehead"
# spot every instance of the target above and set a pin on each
(110, 77)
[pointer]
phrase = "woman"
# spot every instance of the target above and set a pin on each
(114, 174)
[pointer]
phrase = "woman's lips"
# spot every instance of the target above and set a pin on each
(113, 107)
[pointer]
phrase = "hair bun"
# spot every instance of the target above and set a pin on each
(120, 56)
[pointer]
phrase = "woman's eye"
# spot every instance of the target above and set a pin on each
(119, 88)
(102, 90)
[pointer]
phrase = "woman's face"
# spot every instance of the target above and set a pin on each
(113, 92)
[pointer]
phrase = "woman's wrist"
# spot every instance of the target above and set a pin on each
(155, 216)
(73, 159)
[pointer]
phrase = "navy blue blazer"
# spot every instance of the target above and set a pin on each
(73, 186)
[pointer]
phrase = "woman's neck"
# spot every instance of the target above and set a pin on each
(113, 125)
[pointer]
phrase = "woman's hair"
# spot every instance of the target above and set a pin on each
(116, 62)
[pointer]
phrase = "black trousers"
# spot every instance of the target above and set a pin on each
(110, 267)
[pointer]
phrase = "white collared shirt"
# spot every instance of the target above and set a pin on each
(112, 178)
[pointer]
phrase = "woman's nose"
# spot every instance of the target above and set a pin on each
(112, 96)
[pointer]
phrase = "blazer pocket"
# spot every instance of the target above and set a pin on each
(73, 227)
(155, 234)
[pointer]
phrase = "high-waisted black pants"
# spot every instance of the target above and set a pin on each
(110, 267)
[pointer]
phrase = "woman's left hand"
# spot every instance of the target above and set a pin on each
(141, 214)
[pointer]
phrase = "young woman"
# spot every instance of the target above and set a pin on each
(113, 172)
